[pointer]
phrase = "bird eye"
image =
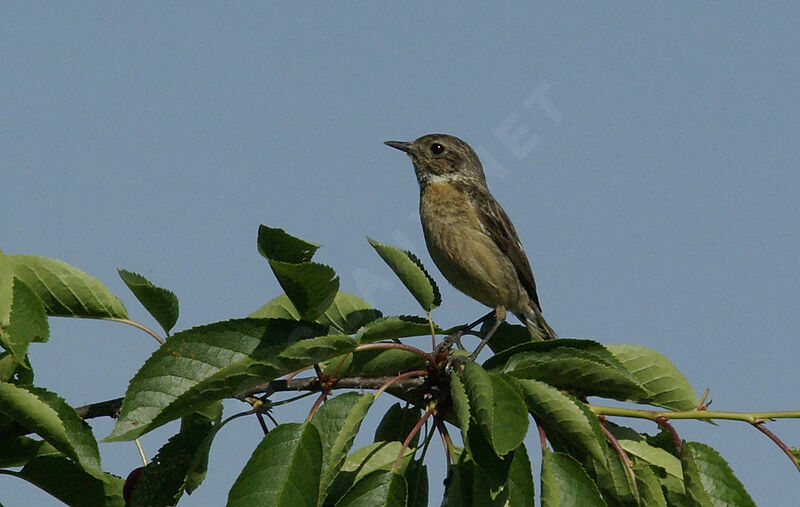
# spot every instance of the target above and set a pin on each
(437, 149)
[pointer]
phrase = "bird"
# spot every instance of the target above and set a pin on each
(469, 236)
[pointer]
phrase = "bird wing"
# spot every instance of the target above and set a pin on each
(499, 227)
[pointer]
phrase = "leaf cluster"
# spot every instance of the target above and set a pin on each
(482, 413)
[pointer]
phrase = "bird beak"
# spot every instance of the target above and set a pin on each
(399, 145)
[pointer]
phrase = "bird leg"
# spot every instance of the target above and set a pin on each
(455, 337)
(499, 316)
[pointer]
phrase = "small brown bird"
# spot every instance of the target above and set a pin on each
(469, 236)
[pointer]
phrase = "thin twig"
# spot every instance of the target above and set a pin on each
(676, 439)
(399, 346)
(410, 436)
(138, 325)
(772, 436)
(141, 451)
(626, 461)
(542, 434)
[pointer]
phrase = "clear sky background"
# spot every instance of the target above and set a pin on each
(654, 179)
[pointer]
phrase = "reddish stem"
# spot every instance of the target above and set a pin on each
(772, 436)
(410, 436)
(676, 439)
(400, 346)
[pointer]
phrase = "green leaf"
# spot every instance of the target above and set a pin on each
(492, 469)
(409, 269)
(380, 488)
(461, 408)
(316, 349)
(416, 477)
(637, 446)
(64, 290)
(466, 484)
(665, 385)
(17, 451)
(163, 480)
(278, 245)
(376, 456)
(71, 484)
(565, 482)
(650, 492)
(379, 363)
(338, 422)
(520, 480)
(13, 371)
(395, 326)
(161, 303)
(201, 365)
(346, 314)
(497, 407)
(566, 420)
(284, 470)
(709, 479)
(581, 366)
(507, 336)
(310, 286)
(49, 416)
(27, 322)
(397, 423)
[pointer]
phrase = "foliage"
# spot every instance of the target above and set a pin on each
(482, 412)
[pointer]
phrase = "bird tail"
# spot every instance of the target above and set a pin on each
(537, 326)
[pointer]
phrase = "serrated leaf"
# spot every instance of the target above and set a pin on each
(347, 313)
(201, 365)
(379, 489)
(17, 451)
(665, 385)
(709, 479)
(521, 492)
(588, 349)
(395, 326)
(466, 484)
(507, 336)
(412, 273)
(27, 322)
(310, 286)
(50, 417)
(397, 423)
(566, 483)
(64, 290)
(416, 477)
(580, 366)
(379, 363)
(161, 303)
(637, 445)
(13, 372)
(316, 349)
(163, 480)
(461, 408)
(566, 420)
(284, 470)
(492, 469)
(67, 481)
(279, 245)
(497, 407)
(649, 486)
(338, 422)
(375, 456)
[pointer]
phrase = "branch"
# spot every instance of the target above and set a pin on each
(655, 415)
(110, 408)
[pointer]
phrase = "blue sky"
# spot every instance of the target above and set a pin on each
(647, 155)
